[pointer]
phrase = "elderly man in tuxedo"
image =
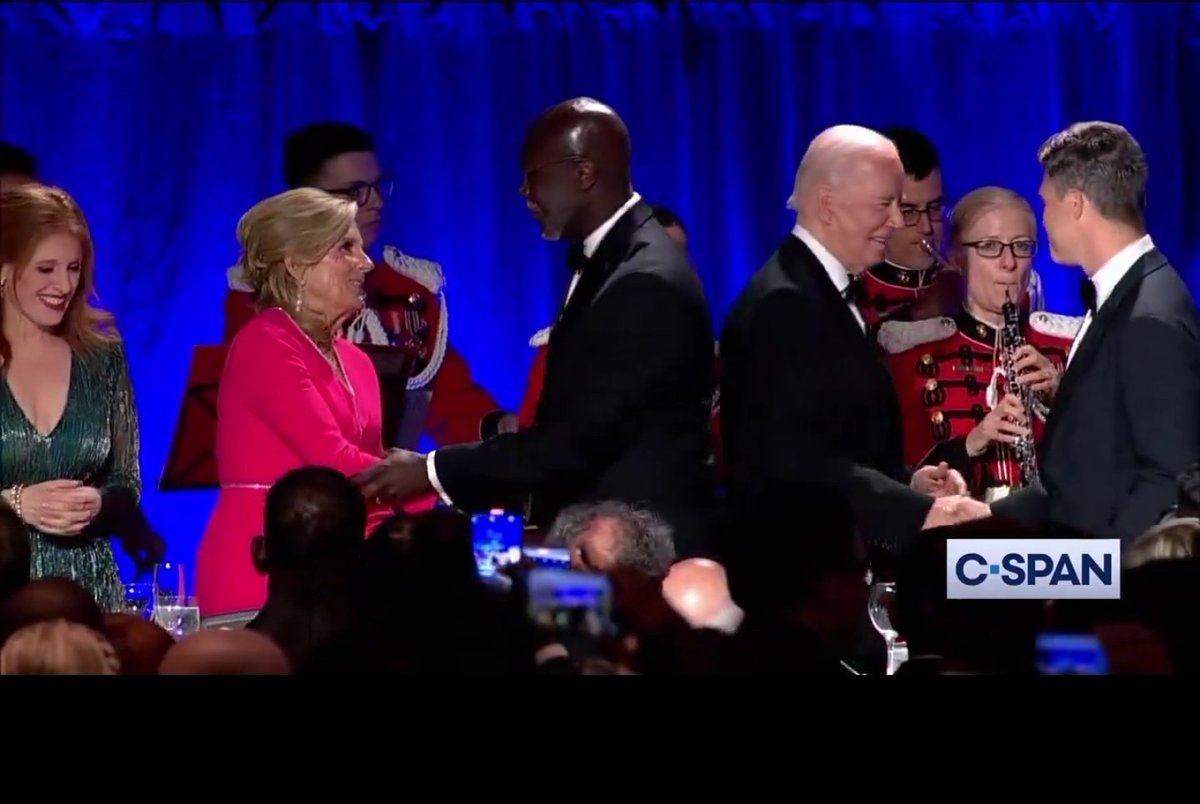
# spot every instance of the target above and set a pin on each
(806, 397)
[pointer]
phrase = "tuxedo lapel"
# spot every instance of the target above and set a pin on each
(805, 270)
(1097, 331)
(612, 251)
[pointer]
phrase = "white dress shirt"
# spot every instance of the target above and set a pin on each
(590, 244)
(837, 272)
(1106, 279)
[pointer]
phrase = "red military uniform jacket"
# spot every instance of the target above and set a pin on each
(893, 293)
(460, 410)
(948, 375)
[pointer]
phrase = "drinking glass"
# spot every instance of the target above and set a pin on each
(139, 600)
(174, 610)
(879, 602)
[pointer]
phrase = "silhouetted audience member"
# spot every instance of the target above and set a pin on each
(57, 648)
(14, 552)
(225, 653)
(433, 613)
(48, 599)
(17, 166)
(140, 644)
(804, 606)
(1172, 539)
(962, 636)
(312, 553)
(601, 536)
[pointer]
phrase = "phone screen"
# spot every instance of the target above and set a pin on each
(571, 603)
(1071, 655)
(555, 557)
(497, 537)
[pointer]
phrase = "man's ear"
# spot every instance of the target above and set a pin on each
(259, 556)
(1077, 202)
(586, 172)
(6, 274)
(825, 203)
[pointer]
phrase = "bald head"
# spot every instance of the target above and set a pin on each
(576, 161)
(847, 194)
(49, 599)
(225, 653)
(698, 590)
(139, 643)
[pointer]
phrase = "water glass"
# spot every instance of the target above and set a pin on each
(175, 610)
(879, 603)
(178, 616)
(139, 600)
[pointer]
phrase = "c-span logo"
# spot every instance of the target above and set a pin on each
(1033, 569)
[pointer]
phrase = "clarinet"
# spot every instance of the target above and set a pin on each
(1010, 342)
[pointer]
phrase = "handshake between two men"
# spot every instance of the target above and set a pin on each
(952, 503)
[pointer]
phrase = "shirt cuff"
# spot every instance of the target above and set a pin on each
(431, 471)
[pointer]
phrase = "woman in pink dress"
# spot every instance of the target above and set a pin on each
(294, 391)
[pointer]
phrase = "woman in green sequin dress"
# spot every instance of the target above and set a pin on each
(68, 427)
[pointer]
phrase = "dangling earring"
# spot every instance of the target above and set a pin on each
(299, 296)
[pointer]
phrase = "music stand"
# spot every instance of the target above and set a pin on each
(192, 462)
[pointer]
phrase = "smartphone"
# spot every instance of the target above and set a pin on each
(554, 557)
(574, 604)
(497, 537)
(1071, 655)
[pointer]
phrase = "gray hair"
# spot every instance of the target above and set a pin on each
(648, 544)
(1105, 163)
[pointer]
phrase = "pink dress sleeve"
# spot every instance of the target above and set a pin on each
(282, 391)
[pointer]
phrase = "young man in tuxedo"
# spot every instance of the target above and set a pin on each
(1126, 418)
(806, 397)
(623, 414)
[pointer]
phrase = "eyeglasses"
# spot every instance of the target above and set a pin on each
(360, 192)
(1021, 249)
(531, 172)
(936, 210)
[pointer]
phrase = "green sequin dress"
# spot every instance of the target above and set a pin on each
(95, 441)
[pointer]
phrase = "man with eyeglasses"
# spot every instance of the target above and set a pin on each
(406, 303)
(911, 283)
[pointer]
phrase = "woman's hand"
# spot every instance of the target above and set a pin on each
(60, 507)
(1007, 423)
(1036, 371)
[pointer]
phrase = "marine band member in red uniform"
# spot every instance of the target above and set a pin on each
(950, 371)
(406, 300)
(911, 284)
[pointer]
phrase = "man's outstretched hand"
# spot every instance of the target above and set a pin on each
(953, 510)
(400, 476)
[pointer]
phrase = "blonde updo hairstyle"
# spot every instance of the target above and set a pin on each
(973, 206)
(299, 226)
(58, 647)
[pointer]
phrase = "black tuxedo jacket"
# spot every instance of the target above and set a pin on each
(807, 399)
(623, 413)
(1126, 419)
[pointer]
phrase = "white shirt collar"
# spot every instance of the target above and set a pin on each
(592, 241)
(1106, 279)
(837, 272)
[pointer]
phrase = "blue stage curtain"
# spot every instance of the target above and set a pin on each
(165, 120)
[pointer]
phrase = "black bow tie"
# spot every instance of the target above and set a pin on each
(855, 292)
(576, 259)
(1087, 292)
